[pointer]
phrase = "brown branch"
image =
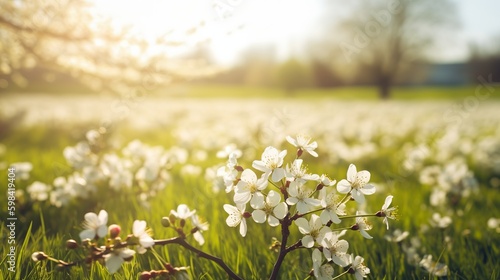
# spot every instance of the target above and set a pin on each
(217, 260)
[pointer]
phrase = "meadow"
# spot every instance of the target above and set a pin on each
(437, 154)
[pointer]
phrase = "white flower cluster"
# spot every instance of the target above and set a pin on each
(96, 228)
(140, 169)
(283, 194)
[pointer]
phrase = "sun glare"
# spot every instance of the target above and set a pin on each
(229, 26)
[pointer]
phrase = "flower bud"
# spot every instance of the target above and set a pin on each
(71, 244)
(183, 223)
(238, 168)
(145, 276)
(247, 215)
(114, 230)
(299, 152)
(170, 268)
(165, 222)
(355, 227)
(39, 256)
(171, 218)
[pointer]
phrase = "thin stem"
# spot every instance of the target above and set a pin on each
(357, 216)
(340, 275)
(217, 260)
(296, 216)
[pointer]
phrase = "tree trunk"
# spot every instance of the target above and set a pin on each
(384, 89)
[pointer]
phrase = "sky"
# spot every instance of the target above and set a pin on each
(231, 26)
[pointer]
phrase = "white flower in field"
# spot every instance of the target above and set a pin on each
(144, 235)
(302, 143)
(236, 217)
(228, 172)
(22, 170)
(358, 268)
(334, 249)
(271, 163)
(296, 172)
(115, 259)
(80, 155)
(397, 236)
(387, 212)
(229, 149)
(182, 212)
(438, 197)
(95, 225)
(38, 191)
(362, 225)
(330, 202)
(271, 208)
(494, 223)
(312, 230)
(357, 184)
(248, 186)
(434, 268)
(200, 227)
(300, 196)
(441, 222)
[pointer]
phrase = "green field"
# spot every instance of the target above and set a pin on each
(433, 157)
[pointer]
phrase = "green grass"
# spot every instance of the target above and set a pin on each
(471, 254)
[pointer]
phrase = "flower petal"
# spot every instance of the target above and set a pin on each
(307, 241)
(259, 216)
(303, 225)
(343, 186)
(363, 176)
(351, 173)
(280, 210)
(369, 189)
(358, 196)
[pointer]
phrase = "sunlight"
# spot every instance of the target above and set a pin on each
(229, 27)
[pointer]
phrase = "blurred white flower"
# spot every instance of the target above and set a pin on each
(22, 170)
(494, 223)
(229, 149)
(397, 236)
(440, 222)
(434, 268)
(143, 234)
(115, 259)
(200, 227)
(182, 212)
(38, 191)
(356, 183)
(95, 225)
(302, 143)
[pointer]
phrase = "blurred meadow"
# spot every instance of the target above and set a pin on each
(139, 107)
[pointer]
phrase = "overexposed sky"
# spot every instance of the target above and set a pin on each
(231, 26)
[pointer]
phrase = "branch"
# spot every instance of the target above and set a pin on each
(217, 260)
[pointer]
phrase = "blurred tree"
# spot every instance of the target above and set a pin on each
(384, 37)
(485, 60)
(324, 75)
(293, 75)
(64, 36)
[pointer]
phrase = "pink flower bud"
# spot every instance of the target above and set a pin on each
(114, 230)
